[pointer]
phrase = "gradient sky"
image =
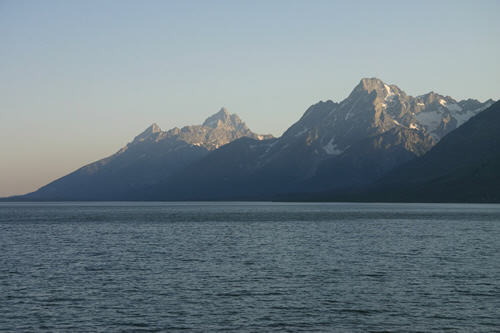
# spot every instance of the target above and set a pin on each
(79, 79)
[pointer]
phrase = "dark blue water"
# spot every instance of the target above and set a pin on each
(249, 267)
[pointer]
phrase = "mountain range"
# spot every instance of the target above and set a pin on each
(339, 151)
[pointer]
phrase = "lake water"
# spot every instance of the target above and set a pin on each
(249, 267)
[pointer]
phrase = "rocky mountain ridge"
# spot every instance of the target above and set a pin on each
(374, 107)
(217, 130)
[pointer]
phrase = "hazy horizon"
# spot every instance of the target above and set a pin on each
(81, 79)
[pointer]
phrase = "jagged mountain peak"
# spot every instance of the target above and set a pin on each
(433, 97)
(381, 89)
(222, 118)
(154, 128)
(217, 130)
(223, 111)
(370, 82)
(148, 132)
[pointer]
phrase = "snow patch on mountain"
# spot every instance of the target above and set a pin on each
(302, 131)
(454, 107)
(464, 116)
(429, 119)
(211, 123)
(397, 123)
(331, 149)
(389, 93)
(270, 146)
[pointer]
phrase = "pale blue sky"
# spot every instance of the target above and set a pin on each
(79, 79)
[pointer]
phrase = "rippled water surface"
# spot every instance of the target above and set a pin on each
(249, 267)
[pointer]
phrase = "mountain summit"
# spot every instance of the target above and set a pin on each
(225, 119)
(374, 84)
(217, 130)
(148, 133)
